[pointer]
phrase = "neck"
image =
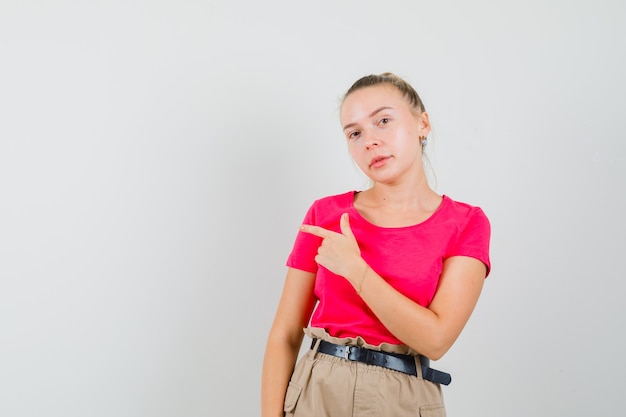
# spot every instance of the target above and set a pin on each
(412, 193)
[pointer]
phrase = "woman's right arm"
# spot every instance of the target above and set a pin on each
(285, 338)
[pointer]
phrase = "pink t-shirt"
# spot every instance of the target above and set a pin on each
(408, 258)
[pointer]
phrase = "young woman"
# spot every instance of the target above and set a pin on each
(382, 280)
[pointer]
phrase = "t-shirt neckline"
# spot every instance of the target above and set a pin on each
(444, 201)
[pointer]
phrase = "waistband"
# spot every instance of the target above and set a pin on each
(394, 361)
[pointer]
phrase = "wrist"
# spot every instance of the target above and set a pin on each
(358, 286)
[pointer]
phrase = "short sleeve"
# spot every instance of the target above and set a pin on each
(474, 237)
(305, 247)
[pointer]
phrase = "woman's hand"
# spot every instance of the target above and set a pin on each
(339, 252)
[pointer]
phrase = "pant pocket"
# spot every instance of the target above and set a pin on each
(291, 397)
(437, 410)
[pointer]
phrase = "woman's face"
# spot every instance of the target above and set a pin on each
(383, 133)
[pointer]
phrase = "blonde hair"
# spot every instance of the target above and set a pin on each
(390, 79)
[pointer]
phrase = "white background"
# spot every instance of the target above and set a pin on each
(156, 158)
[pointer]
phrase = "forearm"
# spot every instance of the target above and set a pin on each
(430, 331)
(280, 358)
(284, 340)
(414, 325)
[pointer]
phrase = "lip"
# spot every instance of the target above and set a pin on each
(378, 161)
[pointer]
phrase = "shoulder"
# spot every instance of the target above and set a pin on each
(464, 218)
(334, 202)
(462, 211)
(472, 231)
(325, 209)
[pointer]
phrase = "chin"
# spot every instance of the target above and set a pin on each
(383, 179)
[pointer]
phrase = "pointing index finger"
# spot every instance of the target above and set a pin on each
(315, 230)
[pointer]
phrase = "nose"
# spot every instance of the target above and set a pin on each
(371, 141)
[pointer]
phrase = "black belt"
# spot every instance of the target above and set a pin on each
(395, 361)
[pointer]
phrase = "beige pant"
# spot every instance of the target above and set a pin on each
(327, 386)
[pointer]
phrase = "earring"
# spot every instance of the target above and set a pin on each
(423, 140)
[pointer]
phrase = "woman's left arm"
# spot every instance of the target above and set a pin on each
(430, 331)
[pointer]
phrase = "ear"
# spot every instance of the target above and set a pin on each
(424, 124)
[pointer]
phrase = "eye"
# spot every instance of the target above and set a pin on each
(354, 135)
(383, 121)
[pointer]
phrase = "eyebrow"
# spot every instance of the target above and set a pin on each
(370, 115)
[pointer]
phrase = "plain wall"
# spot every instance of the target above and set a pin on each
(157, 157)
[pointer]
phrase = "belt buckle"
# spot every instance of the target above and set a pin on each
(346, 353)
